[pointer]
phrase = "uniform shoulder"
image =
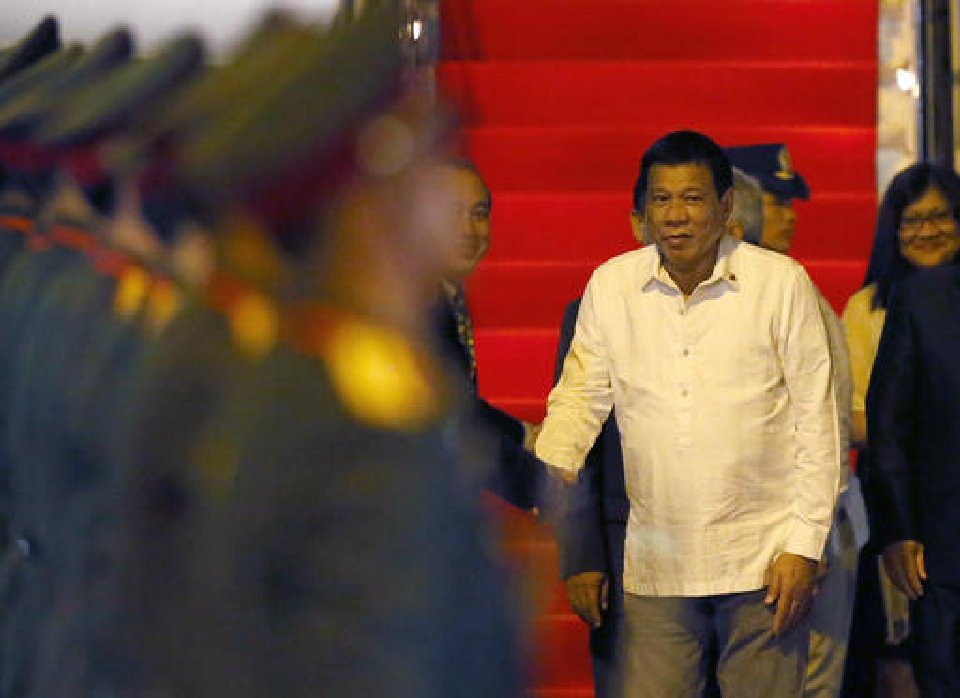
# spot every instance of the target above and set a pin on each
(383, 378)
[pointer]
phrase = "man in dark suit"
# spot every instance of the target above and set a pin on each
(914, 489)
(591, 527)
(518, 476)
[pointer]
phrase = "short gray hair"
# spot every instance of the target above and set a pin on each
(747, 205)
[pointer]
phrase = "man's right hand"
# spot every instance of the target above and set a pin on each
(587, 593)
(904, 563)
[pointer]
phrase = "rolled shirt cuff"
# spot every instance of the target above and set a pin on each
(806, 540)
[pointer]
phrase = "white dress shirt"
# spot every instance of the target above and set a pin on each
(726, 410)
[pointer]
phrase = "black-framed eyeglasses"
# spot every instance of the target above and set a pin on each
(940, 220)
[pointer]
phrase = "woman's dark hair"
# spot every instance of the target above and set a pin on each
(682, 148)
(887, 265)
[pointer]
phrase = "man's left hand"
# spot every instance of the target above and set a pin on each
(790, 581)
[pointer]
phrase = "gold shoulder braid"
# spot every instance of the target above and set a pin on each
(163, 304)
(133, 285)
(381, 376)
(254, 324)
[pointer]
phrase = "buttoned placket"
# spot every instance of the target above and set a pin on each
(687, 307)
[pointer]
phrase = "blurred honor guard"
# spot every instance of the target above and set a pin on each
(95, 308)
(335, 547)
(16, 208)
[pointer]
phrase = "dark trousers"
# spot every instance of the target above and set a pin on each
(606, 642)
(937, 641)
(867, 632)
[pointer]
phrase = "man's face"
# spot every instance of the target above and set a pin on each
(928, 230)
(470, 211)
(779, 219)
(683, 215)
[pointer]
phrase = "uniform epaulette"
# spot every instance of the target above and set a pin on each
(254, 324)
(133, 287)
(383, 378)
(253, 318)
(163, 302)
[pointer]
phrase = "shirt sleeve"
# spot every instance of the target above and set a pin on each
(856, 322)
(842, 384)
(808, 374)
(582, 399)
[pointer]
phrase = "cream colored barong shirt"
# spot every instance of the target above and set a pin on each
(726, 411)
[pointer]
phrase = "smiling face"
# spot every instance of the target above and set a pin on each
(685, 219)
(470, 211)
(928, 230)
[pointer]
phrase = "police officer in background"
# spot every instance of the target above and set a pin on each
(832, 610)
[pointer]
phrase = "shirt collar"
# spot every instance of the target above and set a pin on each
(726, 269)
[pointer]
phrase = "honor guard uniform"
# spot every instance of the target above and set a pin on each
(175, 387)
(332, 464)
(27, 172)
(99, 306)
(16, 208)
(38, 385)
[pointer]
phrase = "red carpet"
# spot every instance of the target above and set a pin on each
(561, 97)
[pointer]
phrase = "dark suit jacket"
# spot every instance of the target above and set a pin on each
(518, 476)
(598, 500)
(913, 408)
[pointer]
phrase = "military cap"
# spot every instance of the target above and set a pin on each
(51, 67)
(19, 114)
(291, 138)
(76, 125)
(770, 163)
(25, 158)
(41, 40)
(149, 151)
(124, 95)
(220, 86)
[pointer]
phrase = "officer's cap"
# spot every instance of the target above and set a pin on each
(16, 154)
(290, 139)
(20, 114)
(51, 67)
(107, 105)
(40, 41)
(770, 163)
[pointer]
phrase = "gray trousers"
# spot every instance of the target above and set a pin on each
(667, 645)
(830, 618)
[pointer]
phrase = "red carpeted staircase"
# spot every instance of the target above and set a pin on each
(561, 97)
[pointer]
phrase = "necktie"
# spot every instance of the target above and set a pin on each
(458, 304)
